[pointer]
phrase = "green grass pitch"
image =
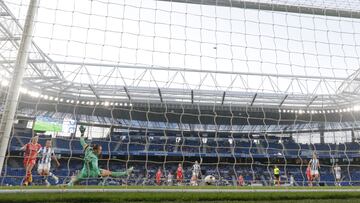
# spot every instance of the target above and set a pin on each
(243, 194)
(47, 126)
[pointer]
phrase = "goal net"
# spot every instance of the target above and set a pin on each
(241, 87)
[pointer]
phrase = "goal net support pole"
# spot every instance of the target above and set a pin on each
(12, 97)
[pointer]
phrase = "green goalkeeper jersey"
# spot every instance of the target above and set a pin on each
(91, 168)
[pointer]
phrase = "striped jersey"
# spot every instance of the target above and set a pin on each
(196, 168)
(314, 164)
(45, 155)
(337, 170)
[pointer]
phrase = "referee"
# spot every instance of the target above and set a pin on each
(277, 175)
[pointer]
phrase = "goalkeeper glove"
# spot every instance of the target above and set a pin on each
(82, 130)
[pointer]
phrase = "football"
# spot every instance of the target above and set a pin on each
(209, 180)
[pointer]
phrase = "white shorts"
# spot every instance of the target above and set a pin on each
(44, 167)
(338, 176)
(196, 174)
(314, 172)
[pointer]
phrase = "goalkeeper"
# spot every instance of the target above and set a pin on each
(91, 168)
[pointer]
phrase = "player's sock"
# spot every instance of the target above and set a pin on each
(71, 183)
(122, 173)
(103, 182)
(46, 181)
(30, 179)
(129, 171)
(54, 177)
(73, 180)
(117, 174)
(25, 182)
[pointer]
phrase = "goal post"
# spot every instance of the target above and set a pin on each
(11, 102)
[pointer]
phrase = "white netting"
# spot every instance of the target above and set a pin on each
(158, 83)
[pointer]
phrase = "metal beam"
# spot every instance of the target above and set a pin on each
(253, 100)
(192, 96)
(299, 9)
(127, 93)
(3, 14)
(52, 78)
(312, 100)
(161, 99)
(9, 38)
(93, 90)
(282, 102)
(223, 98)
(178, 69)
(55, 70)
(34, 61)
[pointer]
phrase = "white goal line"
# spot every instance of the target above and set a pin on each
(91, 190)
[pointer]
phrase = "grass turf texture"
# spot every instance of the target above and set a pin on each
(47, 126)
(182, 187)
(216, 196)
(180, 197)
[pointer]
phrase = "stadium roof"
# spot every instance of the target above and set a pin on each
(172, 52)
